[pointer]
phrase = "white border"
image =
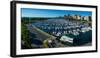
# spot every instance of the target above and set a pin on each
(19, 51)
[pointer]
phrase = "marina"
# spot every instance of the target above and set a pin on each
(65, 32)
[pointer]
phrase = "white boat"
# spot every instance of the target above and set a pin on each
(66, 39)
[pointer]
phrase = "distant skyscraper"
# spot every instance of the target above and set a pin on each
(86, 18)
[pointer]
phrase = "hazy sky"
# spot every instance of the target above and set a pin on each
(28, 12)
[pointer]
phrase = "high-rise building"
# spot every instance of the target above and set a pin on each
(86, 18)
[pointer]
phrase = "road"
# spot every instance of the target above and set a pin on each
(39, 33)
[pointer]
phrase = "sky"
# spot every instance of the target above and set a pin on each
(30, 12)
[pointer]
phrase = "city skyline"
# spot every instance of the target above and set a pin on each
(29, 12)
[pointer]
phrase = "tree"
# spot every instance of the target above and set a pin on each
(25, 36)
(90, 19)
